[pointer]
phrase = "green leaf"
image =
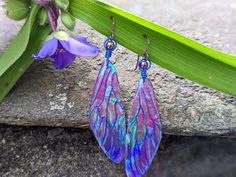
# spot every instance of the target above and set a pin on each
(9, 78)
(18, 56)
(170, 50)
(67, 20)
(19, 43)
(17, 9)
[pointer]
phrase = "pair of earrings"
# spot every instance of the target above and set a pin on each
(138, 141)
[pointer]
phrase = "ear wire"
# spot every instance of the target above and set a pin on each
(145, 53)
(113, 28)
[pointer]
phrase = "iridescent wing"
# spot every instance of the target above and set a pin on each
(144, 131)
(107, 115)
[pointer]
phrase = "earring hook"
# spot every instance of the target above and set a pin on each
(136, 66)
(145, 53)
(113, 28)
(148, 46)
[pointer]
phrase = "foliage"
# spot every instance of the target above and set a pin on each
(170, 50)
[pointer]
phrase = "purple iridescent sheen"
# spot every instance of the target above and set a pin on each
(106, 113)
(64, 52)
(144, 131)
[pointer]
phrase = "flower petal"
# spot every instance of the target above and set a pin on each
(80, 47)
(83, 40)
(48, 49)
(63, 60)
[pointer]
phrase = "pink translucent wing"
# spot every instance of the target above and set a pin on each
(144, 131)
(107, 115)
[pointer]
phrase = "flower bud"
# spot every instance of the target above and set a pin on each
(68, 20)
(63, 4)
(42, 17)
(17, 9)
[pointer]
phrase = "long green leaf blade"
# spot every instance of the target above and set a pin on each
(170, 50)
(18, 56)
(19, 43)
(9, 78)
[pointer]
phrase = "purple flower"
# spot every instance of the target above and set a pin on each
(64, 49)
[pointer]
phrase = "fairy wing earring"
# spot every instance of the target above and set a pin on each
(106, 112)
(144, 125)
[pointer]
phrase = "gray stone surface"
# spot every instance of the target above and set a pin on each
(57, 152)
(47, 97)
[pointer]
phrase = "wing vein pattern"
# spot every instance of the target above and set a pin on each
(106, 113)
(144, 131)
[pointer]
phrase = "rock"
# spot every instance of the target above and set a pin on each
(48, 97)
(29, 151)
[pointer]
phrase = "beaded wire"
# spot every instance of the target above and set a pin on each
(145, 63)
(110, 44)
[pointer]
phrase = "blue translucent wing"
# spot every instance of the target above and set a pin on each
(106, 113)
(144, 131)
